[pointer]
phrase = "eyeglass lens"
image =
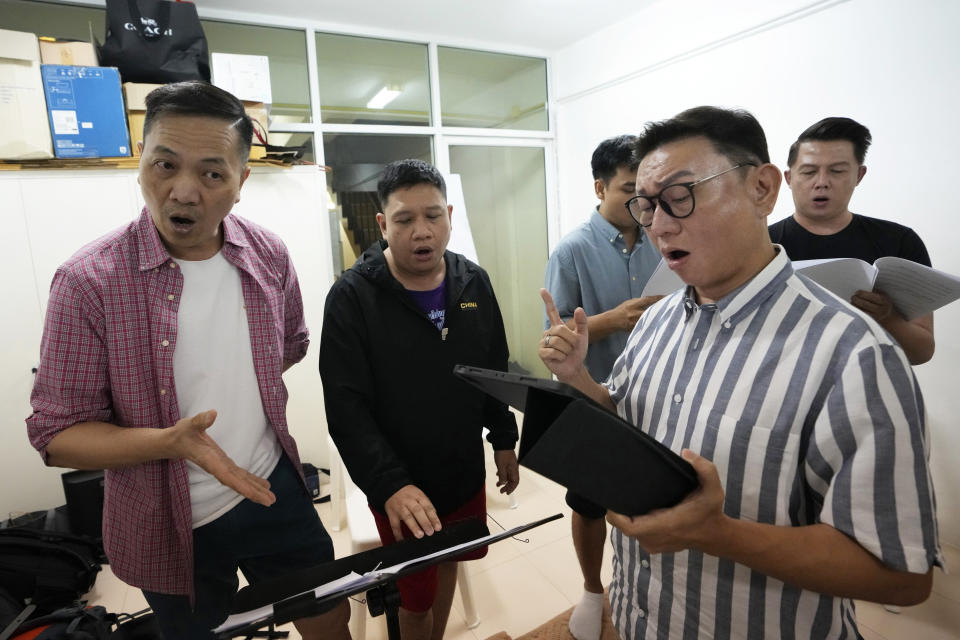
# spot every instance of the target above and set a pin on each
(676, 200)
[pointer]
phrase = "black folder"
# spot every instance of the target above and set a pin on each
(575, 442)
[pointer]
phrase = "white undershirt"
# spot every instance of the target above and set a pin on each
(213, 369)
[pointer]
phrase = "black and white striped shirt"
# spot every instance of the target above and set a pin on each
(810, 413)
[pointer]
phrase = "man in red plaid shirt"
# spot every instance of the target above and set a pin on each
(161, 362)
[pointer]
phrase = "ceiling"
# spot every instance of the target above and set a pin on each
(520, 25)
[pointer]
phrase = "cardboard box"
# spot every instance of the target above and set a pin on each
(135, 95)
(135, 98)
(135, 120)
(25, 134)
(68, 52)
(86, 111)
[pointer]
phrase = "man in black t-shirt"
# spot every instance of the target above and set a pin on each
(825, 165)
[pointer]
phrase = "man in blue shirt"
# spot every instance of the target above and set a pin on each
(602, 266)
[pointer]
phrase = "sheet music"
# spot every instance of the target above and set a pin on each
(841, 276)
(663, 281)
(238, 620)
(915, 289)
(353, 580)
(398, 567)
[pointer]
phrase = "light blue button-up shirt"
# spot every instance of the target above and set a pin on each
(592, 268)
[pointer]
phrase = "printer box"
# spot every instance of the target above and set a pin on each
(25, 134)
(71, 52)
(85, 104)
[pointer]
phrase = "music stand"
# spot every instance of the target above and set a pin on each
(375, 571)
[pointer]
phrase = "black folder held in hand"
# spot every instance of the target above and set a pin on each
(570, 439)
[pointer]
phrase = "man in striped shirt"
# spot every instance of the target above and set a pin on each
(800, 415)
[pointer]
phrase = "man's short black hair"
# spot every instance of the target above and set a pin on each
(198, 98)
(408, 173)
(734, 133)
(611, 154)
(835, 128)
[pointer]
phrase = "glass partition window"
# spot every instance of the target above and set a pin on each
(356, 162)
(287, 51)
(492, 90)
(56, 20)
(505, 193)
(372, 81)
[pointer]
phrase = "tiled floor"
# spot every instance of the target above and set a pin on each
(519, 585)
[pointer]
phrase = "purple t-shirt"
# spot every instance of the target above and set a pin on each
(433, 303)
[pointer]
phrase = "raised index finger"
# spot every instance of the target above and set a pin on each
(551, 308)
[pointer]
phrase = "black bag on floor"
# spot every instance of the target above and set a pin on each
(77, 622)
(51, 568)
(155, 41)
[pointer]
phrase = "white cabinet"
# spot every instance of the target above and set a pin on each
(25, 484)
(49, 215)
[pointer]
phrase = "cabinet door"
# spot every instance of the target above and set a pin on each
(28, 485)
(290, 202)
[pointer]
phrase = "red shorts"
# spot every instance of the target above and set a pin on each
(418, 590)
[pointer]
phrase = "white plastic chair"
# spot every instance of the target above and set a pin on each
(347, 500)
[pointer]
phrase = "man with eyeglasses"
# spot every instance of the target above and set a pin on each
(800, 415)
(825, 165)
(602, 266)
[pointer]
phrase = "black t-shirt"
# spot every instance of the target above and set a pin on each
(864, 238)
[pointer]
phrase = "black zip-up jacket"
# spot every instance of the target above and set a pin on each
(394, 408)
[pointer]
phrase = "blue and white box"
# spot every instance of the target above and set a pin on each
(85, 106)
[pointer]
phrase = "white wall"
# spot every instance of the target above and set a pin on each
(49, 215)
(892, 65)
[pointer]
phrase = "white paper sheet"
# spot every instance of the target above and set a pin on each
(246, 77)
(263, 613)
(842, 276)
(663, 281)
(914, 289)
(353, 579)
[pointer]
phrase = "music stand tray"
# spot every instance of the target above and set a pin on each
(258, 606)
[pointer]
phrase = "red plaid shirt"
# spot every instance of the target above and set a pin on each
(107, 355)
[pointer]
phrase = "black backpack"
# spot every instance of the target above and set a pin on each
(77, 622)
(51, 568)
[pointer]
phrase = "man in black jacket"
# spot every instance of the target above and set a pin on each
(409, 432)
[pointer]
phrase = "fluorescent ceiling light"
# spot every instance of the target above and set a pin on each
(383, 97)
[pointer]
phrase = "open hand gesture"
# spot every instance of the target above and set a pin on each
(189, 440)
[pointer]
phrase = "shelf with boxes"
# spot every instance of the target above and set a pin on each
(62, 111)
(58, 110)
